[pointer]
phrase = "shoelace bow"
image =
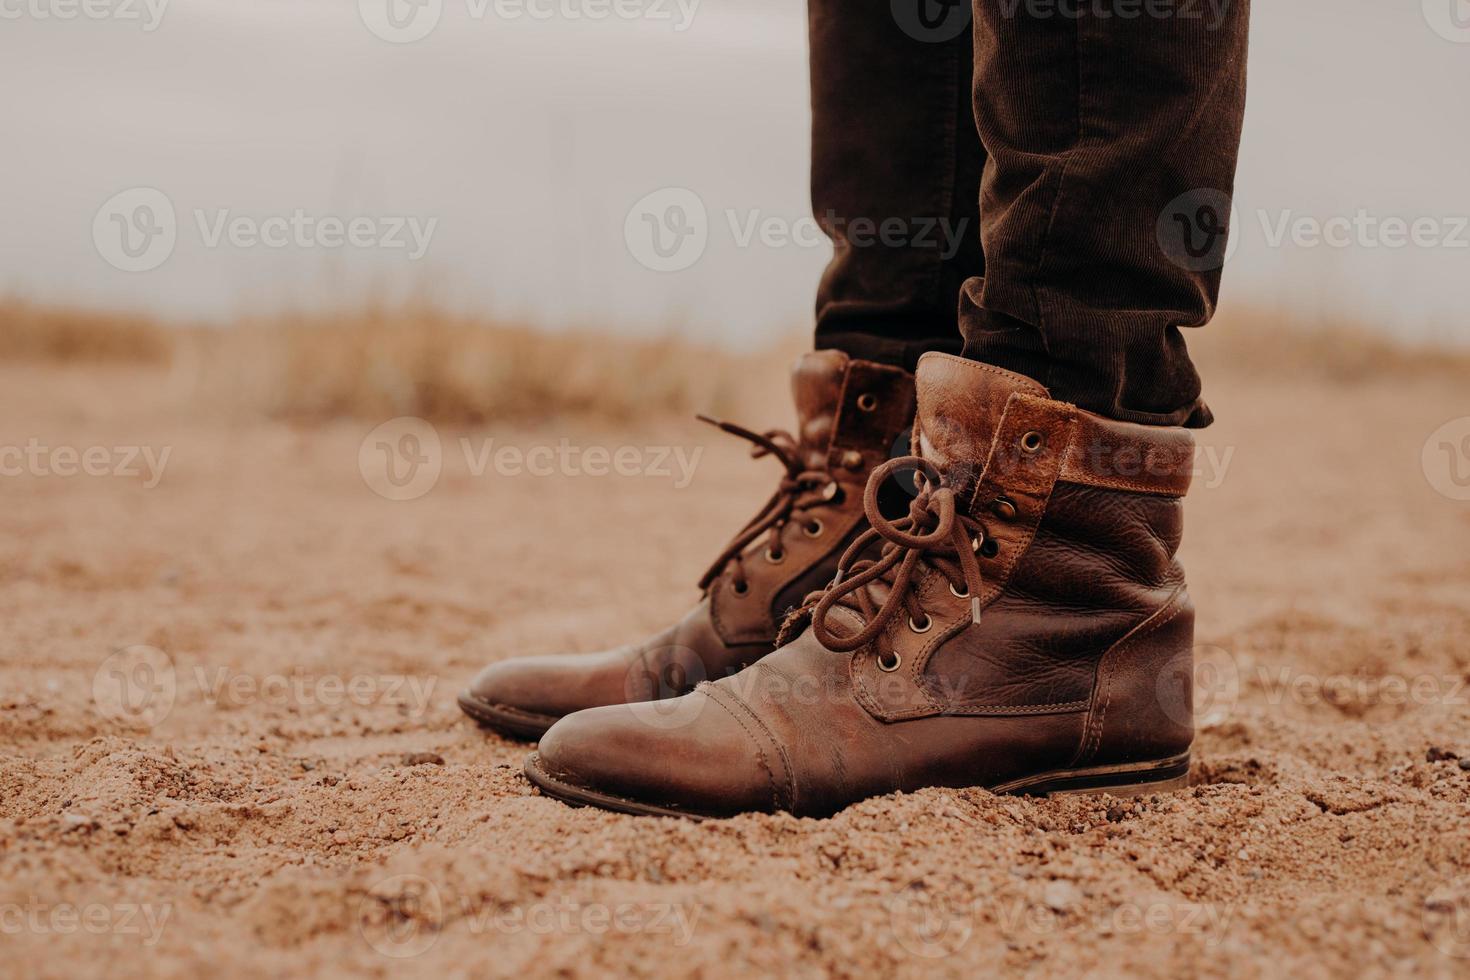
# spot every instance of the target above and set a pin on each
(935, 532)
(799, 491)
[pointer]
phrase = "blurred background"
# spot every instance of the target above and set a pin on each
(513, 142)
(259, 259)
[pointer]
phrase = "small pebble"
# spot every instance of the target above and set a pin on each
(1060, 895)
(423, 759)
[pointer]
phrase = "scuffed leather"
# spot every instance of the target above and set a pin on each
(826, 386)
(726, 631)
(788, 734)
(666, 664)
(1081, 655)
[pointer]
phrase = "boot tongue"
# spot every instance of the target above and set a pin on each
(816, 387)
(960, 403)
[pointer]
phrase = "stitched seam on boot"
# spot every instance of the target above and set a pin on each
(997, 584)
(916, 669)
(865, 696)
(516, 712)
(988, 483)
(1114, 483)
(1059, 707)
(1072, 471)
(841, 529)
(1092, 739)
(722, 631)
(988, 369)
(934, 707)
(732, 637)
(759, 751)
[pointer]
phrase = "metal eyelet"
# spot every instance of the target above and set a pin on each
(989, 548)
(775, 557)
(813, 528)
(867, 401)
(852, 459)
(1032, 442)
(831, 492)
(889, 662)
(740, 588)
(1004, 508)
(957, 593)
(928, 624)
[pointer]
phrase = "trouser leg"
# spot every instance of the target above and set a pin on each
(896, 164)
(1111, 129)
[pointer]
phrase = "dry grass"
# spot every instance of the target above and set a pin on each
(385, 362)
(1254, 342)
(58, 334)
(380, 362)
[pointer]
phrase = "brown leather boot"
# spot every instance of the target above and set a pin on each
(1026, 629)
(849, 413)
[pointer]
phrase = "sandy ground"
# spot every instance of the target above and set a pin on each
(230, 745)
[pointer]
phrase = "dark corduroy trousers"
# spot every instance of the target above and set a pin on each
(1043, 185)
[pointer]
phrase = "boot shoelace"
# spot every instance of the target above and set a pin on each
(800, 491)
(935, 533)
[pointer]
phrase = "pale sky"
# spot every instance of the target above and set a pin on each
(515, 147)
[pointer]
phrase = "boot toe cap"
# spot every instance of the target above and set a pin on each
(523, 697)
(689, 755)
(552, 686)
(514, 683)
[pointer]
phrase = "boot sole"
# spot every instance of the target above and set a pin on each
(1123, 780)
(518, 724)
(1126, 780)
